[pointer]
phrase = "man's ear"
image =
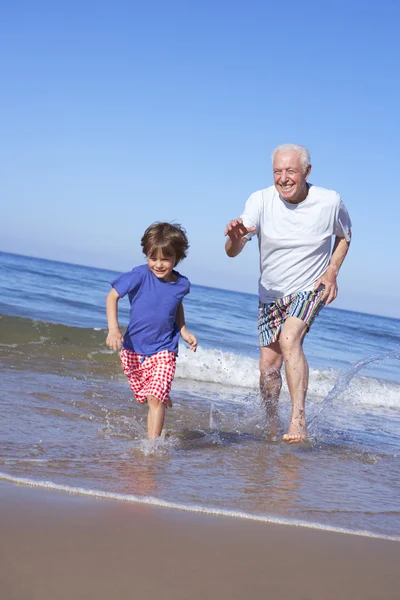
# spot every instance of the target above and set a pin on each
(308, 171)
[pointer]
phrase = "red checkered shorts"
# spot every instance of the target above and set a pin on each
(149, 377)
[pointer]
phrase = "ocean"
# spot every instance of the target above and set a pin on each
(69, 422)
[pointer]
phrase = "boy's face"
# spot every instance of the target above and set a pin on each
(161, 266)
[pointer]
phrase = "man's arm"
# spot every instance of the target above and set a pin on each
(236, 232)
(329, 278)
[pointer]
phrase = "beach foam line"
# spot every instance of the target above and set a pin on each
(221, 512)
(210, 365)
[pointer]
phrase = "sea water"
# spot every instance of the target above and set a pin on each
(69, 421)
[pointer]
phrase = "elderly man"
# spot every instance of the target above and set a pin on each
(294, 222)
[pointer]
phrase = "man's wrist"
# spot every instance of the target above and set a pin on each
(334, 269)
(235, 246)
(240, 242)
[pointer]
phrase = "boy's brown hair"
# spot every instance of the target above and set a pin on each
(170, 239)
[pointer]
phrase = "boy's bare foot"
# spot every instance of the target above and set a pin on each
(169, 402)
(297, 431)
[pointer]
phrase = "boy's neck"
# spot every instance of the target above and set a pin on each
(172, 278)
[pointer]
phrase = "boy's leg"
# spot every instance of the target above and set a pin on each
(155, 417)
(160, 375)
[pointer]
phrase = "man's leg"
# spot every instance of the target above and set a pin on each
(271, 383)
(291, 345)
(155, 417)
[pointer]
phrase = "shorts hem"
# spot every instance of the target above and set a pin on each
(275, 338)
(139, 401)
(149, 375)
(304, 306)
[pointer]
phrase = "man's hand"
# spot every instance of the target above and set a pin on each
(189, 338)
(114, 340)
(236, 230)
(328, 281)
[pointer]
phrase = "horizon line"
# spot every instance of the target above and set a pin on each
(75, 264)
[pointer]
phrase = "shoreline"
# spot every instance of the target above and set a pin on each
(191, 509)
(58, 545)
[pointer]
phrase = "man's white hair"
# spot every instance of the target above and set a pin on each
(305, 158)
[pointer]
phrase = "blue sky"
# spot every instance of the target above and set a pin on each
(117, 114)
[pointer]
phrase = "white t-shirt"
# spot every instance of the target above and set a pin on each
(294, 239)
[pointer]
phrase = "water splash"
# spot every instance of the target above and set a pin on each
(342, 383)
(215, 419)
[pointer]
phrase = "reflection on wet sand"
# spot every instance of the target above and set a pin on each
(138, 478)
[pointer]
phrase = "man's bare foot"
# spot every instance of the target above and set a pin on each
(169, 402)
(297, 431)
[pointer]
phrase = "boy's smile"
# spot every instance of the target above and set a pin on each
(161, 266)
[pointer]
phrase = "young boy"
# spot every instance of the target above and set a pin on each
(150, 344)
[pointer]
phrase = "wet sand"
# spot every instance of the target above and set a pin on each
(56, 546)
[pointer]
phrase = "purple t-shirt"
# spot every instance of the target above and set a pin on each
(154, 302)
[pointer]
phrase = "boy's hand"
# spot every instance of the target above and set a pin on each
(189, 338)
(114, 340)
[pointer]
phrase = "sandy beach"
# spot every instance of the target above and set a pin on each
(60, 546)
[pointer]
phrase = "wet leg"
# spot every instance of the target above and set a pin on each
(296, 367)
(155, 417)
(271, 384)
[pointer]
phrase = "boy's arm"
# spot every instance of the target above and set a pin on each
(180, 317)
(188, 337)
(114, 338)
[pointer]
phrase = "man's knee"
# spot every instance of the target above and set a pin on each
(270, 359)
(289, 342)
(270, 372)
(292, 335)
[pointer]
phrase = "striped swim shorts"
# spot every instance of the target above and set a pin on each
(149, 375)
(272, 315)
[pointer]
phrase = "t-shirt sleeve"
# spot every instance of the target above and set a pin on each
(127, 282)
(187, 288)
(251, 214)
(342, 222)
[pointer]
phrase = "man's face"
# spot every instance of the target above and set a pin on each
(289, 177)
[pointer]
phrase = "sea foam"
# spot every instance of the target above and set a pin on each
(233, 370)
